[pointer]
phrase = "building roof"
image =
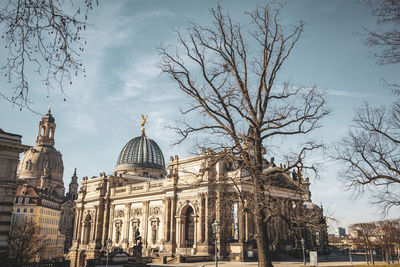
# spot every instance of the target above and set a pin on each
(141, 152)
(4, 132)
(39, 197)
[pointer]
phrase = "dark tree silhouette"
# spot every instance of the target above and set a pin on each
(370, 154)
(370, 151)
(387, 38)
(41, 36)
(26, 244)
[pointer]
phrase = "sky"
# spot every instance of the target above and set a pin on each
(103, 110)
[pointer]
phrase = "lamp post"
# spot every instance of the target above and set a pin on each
(302, 247)
(107, 247)
(216, 228)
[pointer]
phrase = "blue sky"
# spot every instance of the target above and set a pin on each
(102, 111)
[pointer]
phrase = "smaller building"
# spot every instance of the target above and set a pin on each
(35, 205)
(10, 148)
(339, 231)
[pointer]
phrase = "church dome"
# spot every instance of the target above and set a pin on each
(141, 153)
(39, 157)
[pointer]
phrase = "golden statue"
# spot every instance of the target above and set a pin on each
(144, 119)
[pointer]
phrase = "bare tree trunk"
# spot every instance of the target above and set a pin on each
(262, 240)
(371, 252)
(261, 229)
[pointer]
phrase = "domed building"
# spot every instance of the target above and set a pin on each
(174, 210)
(42, 165)
(40, 196)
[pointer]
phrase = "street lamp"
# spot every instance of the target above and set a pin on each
(302, 247)
(107, 248)
(216, 228)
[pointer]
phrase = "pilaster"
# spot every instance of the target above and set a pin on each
(127, 224)
(145, 223)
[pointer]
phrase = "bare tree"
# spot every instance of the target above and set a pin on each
(384, 234)
(26, 243)
(230, 72)
(388, 236)
(370, 154)
(387, 38)
(42, 36)
(365, 232)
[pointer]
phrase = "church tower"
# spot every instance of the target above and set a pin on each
(47, 127)
(73, 187)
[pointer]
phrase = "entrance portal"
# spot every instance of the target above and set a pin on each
(189, 227)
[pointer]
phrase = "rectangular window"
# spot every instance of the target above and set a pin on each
(27, 200)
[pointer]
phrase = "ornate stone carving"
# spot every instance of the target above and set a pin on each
(137, 212)
(155, 211)
(154, 229)
(119, 213)
(118, 227)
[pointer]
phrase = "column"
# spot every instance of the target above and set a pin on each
(247, 227)
(94, 224)
(241, 223)
(77, 222)
(80, 224)
(196, 229)
(206, 223)
(173, 224)
(178, 231)
(83, 233)
(168, 225)
(145, 222)
(126, 228)
(199, 238)
(106, 220)
(111, 223)
(165, 219)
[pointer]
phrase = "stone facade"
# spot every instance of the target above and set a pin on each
(174, 213)
(10, 148)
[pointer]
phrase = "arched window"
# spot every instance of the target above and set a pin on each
(189, 227)
(28, 165)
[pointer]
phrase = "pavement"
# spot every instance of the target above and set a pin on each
(331, 260)
(253, 264)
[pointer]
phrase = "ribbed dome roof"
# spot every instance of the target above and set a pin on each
(141, 152)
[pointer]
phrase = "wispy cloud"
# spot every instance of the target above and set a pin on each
(350, 93)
